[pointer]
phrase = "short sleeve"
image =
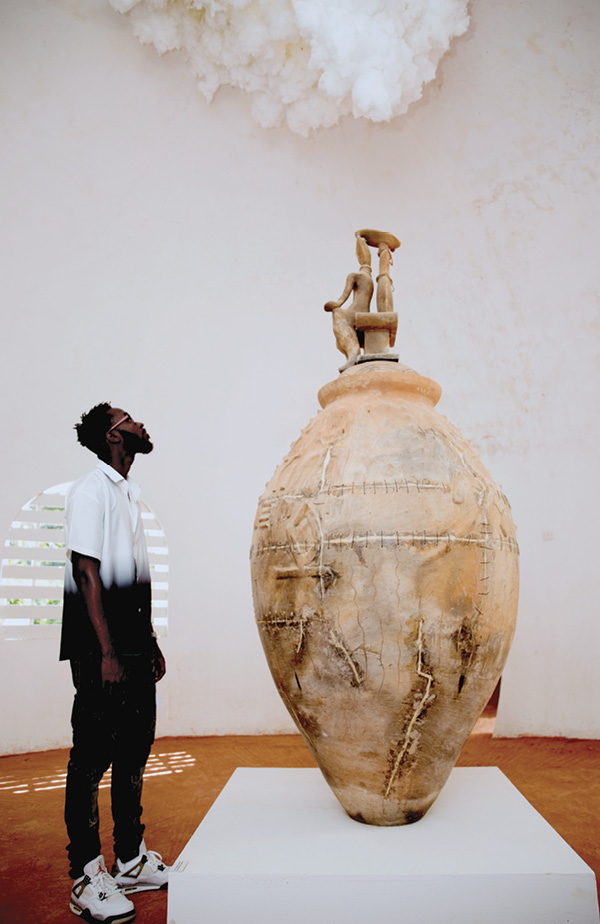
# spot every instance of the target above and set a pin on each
(84, 523)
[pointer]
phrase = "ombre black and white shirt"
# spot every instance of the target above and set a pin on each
(103, 520)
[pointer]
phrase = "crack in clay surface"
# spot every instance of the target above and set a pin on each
(326, 462)
(339, 646)
(418, 710)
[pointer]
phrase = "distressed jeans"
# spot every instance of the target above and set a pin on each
(112, 724)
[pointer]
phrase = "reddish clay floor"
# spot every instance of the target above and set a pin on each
(558, 776)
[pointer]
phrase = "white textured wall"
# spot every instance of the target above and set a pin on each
(173, 257)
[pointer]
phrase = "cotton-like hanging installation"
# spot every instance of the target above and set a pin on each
(306, 63)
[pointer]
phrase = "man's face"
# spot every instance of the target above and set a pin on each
(134, 434)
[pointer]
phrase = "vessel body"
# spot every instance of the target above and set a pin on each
(385, 583)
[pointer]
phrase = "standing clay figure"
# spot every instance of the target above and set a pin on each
(385, 580)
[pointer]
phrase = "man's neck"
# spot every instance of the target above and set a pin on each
(120, 461)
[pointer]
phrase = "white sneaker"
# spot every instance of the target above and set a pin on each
(96, 897)
(145, 872)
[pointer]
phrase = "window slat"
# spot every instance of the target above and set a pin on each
(19, 553)
(51, 498)
(40, 516)
(25, 592)
(160, 594)
(21, 633)
(28, 534)
(33, 572)
(28, 592)
(156, 542)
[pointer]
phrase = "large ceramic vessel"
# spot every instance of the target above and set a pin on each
(385, 576)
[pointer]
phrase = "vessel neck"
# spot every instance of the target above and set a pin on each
(382, 378)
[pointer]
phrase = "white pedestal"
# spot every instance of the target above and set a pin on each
(277, 848)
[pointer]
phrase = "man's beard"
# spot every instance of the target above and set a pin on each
(136, 445)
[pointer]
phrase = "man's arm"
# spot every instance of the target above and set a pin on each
(86, 572)
(350, 281)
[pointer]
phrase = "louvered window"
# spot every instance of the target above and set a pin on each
(33, 568)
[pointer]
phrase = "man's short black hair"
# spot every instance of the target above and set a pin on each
(91, 432)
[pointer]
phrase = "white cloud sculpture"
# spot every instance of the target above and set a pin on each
(306, 62)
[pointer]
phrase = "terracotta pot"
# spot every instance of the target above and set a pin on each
(385, 581)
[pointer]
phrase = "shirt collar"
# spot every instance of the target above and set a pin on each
(117, 478)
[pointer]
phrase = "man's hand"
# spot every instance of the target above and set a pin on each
(111, 669)
(159, 665)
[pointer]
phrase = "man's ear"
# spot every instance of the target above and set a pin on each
(114, 436)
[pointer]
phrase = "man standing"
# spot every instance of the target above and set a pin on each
(115, 661)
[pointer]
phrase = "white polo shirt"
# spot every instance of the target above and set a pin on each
(103, 520)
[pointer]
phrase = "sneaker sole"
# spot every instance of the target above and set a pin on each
(85, 915)
(128, 889)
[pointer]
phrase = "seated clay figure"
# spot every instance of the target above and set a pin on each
(348, 340)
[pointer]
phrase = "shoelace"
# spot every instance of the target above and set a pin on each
(154, 860)
(104, 884)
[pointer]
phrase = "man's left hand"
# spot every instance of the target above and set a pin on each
(159, 665)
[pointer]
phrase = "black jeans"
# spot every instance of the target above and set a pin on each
(112, 724)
